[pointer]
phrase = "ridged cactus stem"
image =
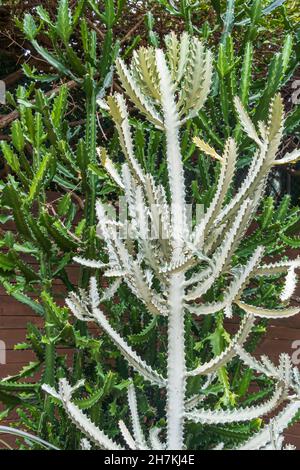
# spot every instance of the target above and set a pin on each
(174, 158)
(49, 373)
(89, 209)
(176, 364)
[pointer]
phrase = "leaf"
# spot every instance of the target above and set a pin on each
(267, 10)
(27, 116)
(245, 383)
(291, 157)
(52, 60)
(93, 399)
(8, 385)
(59, 106)
(10, 157)
(94, 6)
(98, 395)
(5, 413)
(39, 235)
(78, 13)
(109, 166)
(44, 15)
(246, 121)
(23, 298)
(59, 233)
(9, 400)
(153, 37)
(12, 199)
(39, 178)
(275, 76)
(286, 53)
(17, 134)
(283, 208)
(75, 62)
(268, 212)
(228, 18)
(135, 93)
(64, 204)
(29, 27)
(292, 120)
(6, 262)
(109, 13)
(246, 73)
(144, 335)
(272, 6)
(82, 157)
(64, 21)
(255, 12)
(206, 148)
(267, 312)
(106, 56)
(26, 270)
(293, 242)
(5, 218)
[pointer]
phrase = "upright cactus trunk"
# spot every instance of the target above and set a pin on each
(89, 189)
(176, 364)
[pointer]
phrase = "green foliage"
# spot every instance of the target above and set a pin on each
(47, 154)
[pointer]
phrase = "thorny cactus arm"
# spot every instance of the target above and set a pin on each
(291, 377)
(78, 417)
(264, 439)
(80, 309)
(171, 273)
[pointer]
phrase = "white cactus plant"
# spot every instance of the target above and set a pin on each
(172, 271)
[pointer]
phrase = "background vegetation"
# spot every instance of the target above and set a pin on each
(58, 63)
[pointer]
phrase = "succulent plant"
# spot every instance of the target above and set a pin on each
(172, 271)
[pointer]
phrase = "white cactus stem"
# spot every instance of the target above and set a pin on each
(176, 364)
(174, 158)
